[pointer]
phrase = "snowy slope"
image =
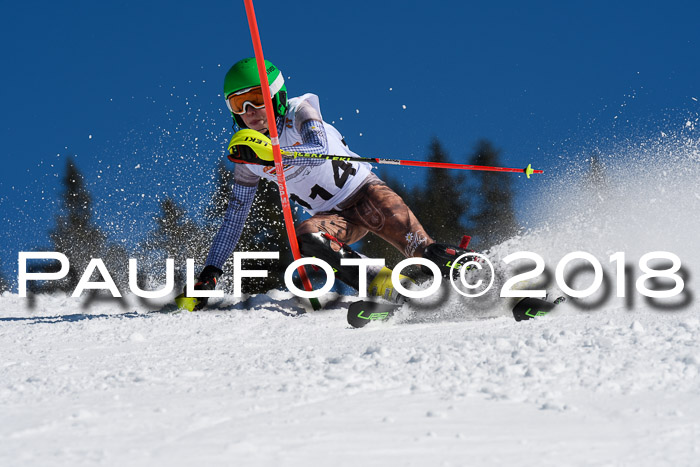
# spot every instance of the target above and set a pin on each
(608, 381)
(259, 387)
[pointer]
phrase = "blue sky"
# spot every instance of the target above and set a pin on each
(133, 89)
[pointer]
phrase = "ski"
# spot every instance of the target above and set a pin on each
(529, 308)
(361, 312)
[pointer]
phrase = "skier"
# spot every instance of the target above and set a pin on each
(346, 199)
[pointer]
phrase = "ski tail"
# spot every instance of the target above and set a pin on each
(529, 308)
(362, 312)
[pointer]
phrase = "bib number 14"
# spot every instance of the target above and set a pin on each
(342, 170)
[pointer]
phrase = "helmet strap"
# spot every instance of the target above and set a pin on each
(238, 120)
(280, 103)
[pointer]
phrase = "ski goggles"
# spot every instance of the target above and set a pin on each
(238, 101)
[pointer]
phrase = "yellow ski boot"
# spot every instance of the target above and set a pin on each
(381, 286)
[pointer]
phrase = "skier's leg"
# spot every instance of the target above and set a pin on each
(377, 208)
(327, 248)
(384, 213)
(326, 236)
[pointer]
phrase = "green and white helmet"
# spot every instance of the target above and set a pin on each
(244, 75)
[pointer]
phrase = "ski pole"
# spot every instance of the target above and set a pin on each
(439, 165)
(262, 147)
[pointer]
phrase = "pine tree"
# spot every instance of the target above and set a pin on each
(595, 178)
(178, 237)
(494, 220)
(265, 231)
(116, 260)
(374, 246)
(4, 283)
(441, 204)
(75, 234)
(216, 210)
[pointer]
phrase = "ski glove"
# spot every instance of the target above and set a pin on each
(208, 279)
(246, 154)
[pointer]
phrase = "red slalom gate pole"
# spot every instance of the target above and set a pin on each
(279, 167)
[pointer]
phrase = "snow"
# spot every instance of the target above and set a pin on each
(255, 384)
(253, 381)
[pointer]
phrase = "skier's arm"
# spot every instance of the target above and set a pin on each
(313, 136)
(230, 231)
(314, 140)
